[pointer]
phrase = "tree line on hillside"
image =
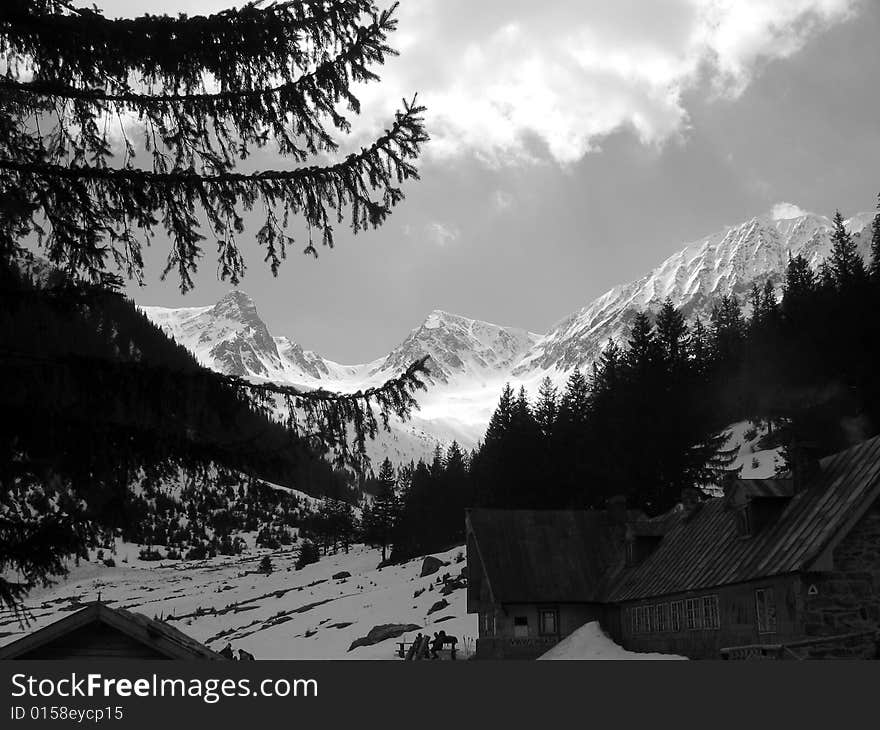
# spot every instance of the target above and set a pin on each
(412, 510)
(647, 420)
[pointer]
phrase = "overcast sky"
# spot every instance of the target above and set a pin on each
(575, 144)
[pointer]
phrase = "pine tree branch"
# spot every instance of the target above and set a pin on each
(406, 129)
(88, 205)
(293, 111)
(239, 45)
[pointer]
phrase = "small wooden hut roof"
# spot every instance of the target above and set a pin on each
(162, 640)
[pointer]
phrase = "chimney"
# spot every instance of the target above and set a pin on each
(804, 464)
(690, 498)
(616, 507)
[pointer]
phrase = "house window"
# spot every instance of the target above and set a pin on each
(765, 610)
(711, 617)
(662, 617)
(640, 620)
(677, 610)
(548, 622)
(521, 627)
(487, 623)
(693, 608)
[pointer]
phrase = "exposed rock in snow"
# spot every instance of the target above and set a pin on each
(430, 565)
(382, 633)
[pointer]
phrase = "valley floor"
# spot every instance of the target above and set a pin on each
(288, 614)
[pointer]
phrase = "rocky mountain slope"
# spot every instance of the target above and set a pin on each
(471, 359)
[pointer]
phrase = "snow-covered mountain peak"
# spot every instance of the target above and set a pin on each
(229, 336)
(726, 262)
(238, 306)
(458, 347)
(471, 359)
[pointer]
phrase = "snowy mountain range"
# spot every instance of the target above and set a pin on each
(470, 360)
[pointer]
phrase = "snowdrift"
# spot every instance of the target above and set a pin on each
(590, 642)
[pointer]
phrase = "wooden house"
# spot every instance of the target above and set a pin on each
(535, 576)
(100, 632)
(775, 567)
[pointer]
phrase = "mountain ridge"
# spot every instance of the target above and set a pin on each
(471, 359)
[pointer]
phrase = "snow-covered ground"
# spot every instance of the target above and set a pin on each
(590, 642)
(288, 614)
(757, 461)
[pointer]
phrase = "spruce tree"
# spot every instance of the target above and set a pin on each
(671, 336)
(699, 347)
(547, 407)
(642, 347)
(728, 330)
(501, 418)
(385, 510)
(846, 265)
(875, 246)
(206, 92)
(574, 406)
(800, 284)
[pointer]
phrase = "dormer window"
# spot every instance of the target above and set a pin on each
(639, 547)
(757, 503)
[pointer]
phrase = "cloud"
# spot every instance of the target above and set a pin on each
(441, 234)
(512, 81)
(786, 211)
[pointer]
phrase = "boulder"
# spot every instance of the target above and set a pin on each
(431, 565)
(453, 585)
(381, 633)
(439, 606)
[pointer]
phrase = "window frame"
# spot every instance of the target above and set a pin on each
(554, 611)
(488, 623)
(676, 626)
(663, 618)
(694, 613)
(712, 617)
(766, 617)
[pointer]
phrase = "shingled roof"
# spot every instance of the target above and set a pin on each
(705, 549)
(574, 555)
(165, 640)
(543, 555)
